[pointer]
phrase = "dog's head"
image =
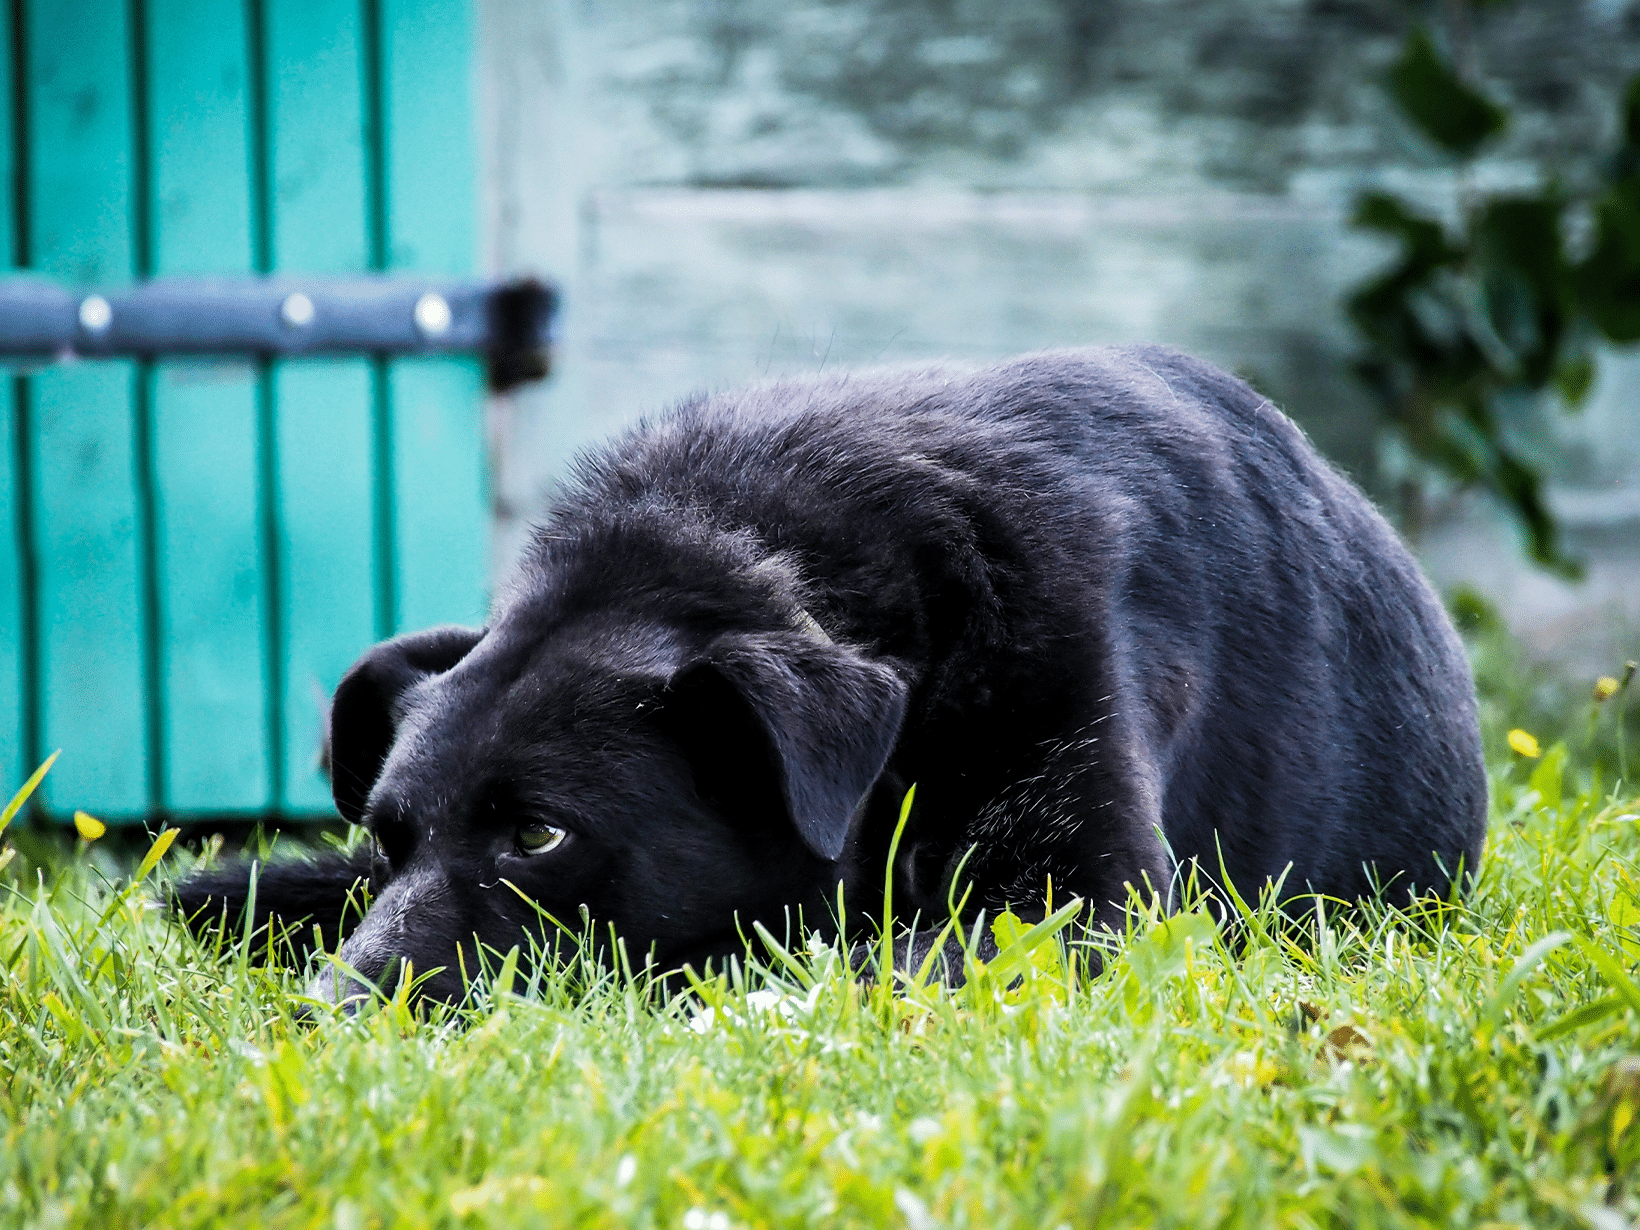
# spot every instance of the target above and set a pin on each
(511, 776)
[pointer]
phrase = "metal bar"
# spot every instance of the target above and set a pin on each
(510, 322)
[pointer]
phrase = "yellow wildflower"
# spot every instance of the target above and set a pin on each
(1605, 688)
(89, 826)
(1524, 744)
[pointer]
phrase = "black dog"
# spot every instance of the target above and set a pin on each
(1107, 610)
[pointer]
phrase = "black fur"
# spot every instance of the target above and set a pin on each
(1083, 600)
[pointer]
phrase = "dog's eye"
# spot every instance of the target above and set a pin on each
(539, 838)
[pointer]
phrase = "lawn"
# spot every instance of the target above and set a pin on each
(1475, 1065)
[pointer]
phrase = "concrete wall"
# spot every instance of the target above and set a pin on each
(728, 189)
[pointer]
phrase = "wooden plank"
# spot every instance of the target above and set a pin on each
(208, 539)
(79, 118)
(91, 669)
(82, 449)
(316, 144)
(319, 223)
(440, 504)
(324, 443)
(208, 561)
(431, 173)
(197, 100)
(12, 596)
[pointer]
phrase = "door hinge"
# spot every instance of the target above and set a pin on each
(509, 323)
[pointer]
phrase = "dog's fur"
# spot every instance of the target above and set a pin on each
(1107, 609)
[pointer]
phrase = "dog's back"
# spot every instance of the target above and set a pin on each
(1121, 549)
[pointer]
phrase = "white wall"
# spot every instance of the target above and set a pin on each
(726, 189)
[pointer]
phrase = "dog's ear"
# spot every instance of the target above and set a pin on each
(826, 717)
(364, 714)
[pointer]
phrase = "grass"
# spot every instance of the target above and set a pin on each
(1475, 1065)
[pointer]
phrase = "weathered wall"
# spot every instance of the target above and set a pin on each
(732, 188)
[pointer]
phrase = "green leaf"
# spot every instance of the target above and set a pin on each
(1162, 952)
(1524, 233)
(1526, 282)
(1475, 613)
(1631, 114)
(1426, 246)
(1017, 944)
(504, 977)
(1546, 777)
(780, 953)
(1471, 447)
(1608, 282)
(1432, 96)
(886, 941)
(162, 843)
(21, 797)
(1612, 971)
(1574, 378)
(1585, 1014)
(1529, 961)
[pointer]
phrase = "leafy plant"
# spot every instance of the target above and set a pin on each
(1598, 719)
(1498, 309)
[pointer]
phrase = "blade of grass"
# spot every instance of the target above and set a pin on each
(885, 961)
(28, 788)
(1529, 961)
(1612, 971)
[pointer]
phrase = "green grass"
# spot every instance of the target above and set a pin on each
(1478, 1065)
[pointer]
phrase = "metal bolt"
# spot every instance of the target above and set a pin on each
(297, 310)
(432, 315)
(95, 314)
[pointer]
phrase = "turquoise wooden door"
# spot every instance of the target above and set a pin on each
(192, 552)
